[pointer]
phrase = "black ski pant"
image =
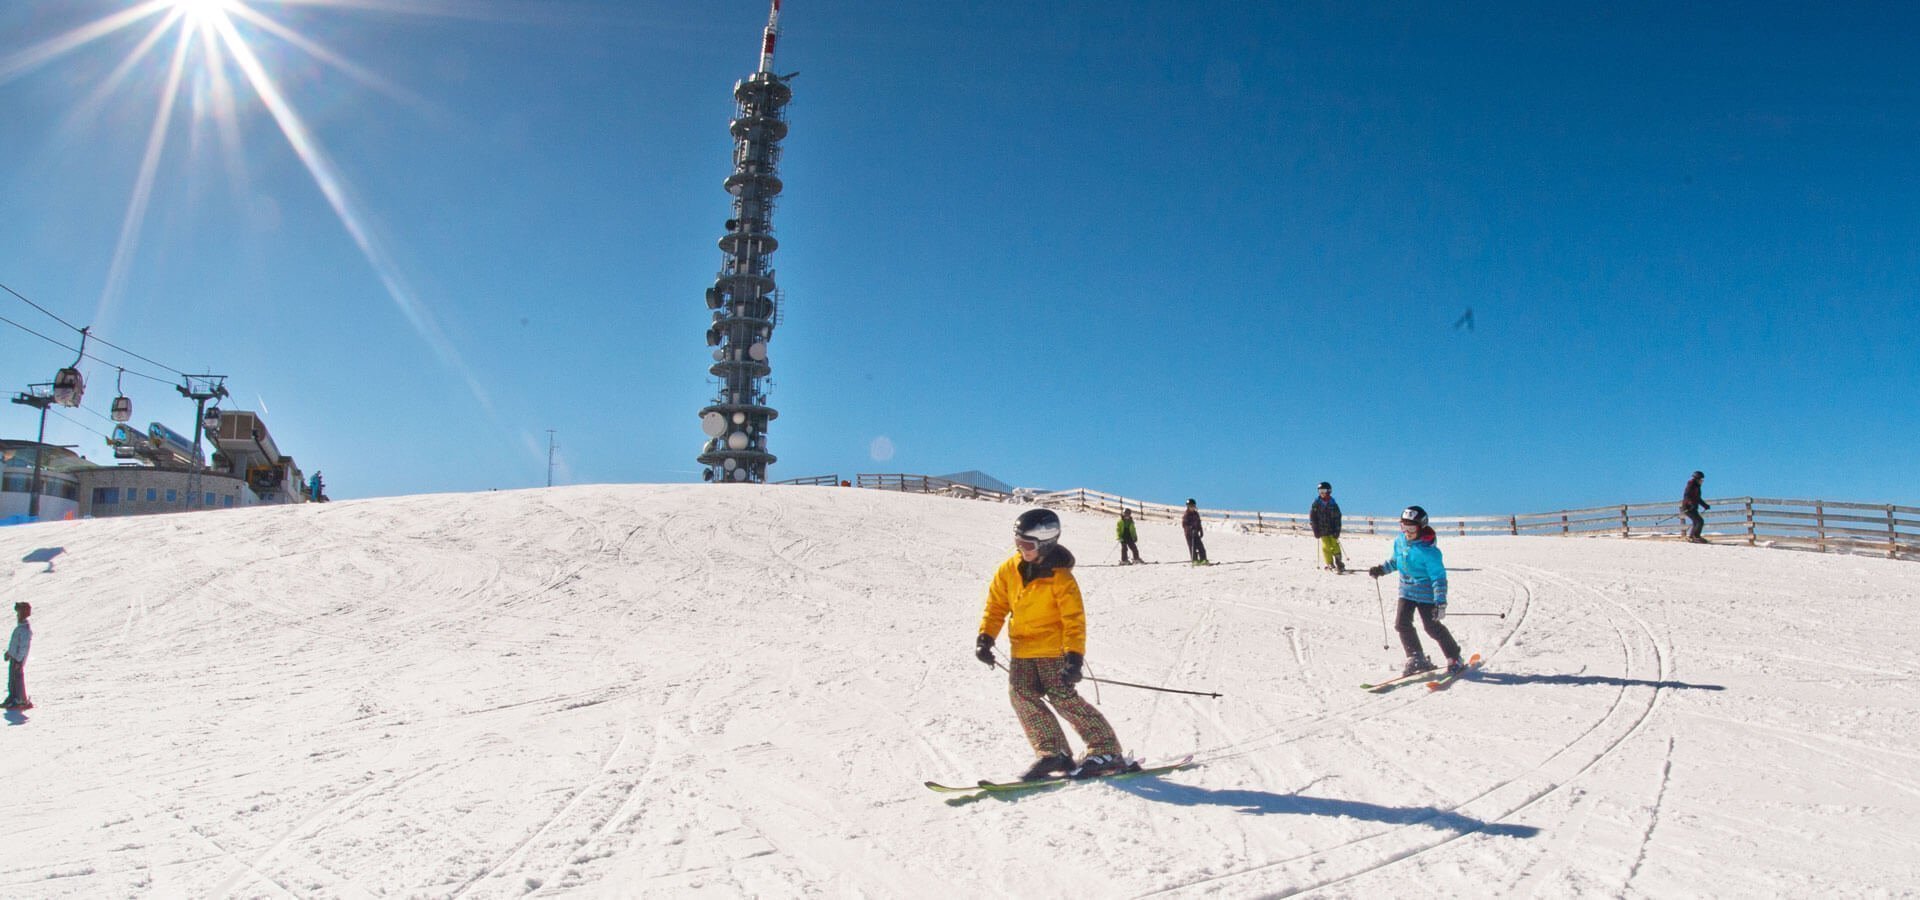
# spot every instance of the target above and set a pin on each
(1196, 550)
(1695, 523)
(1127, 547)
(16, 683)
(1436, 629)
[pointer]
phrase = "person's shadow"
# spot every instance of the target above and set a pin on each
(1485, 677)
(45, 555)
(1266, 803)
(16, 717)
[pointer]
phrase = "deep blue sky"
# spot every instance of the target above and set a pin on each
(1167, 250)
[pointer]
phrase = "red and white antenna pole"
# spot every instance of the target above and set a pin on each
(773, 31)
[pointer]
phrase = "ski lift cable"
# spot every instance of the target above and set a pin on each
(56, 343)
(84, 331)
(76, 422)
(43, 309)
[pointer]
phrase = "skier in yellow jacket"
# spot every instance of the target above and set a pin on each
(1048, 632)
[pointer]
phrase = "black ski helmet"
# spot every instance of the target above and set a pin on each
(1699, 475)
(1414, 514)
(1041, 526)
(1325, 486)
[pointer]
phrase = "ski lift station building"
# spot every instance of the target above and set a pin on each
(161, 473)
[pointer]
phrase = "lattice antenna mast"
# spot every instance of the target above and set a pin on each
(743, 298)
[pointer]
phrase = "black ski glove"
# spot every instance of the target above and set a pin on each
(1377, 571)
(1070, 673)
(983, 649)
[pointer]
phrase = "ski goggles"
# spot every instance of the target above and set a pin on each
(1021, 543)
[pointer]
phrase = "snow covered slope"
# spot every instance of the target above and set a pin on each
(737, 691)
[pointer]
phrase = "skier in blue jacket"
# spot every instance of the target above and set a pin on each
(1423, 587)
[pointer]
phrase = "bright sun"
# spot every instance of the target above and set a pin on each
(203, 12)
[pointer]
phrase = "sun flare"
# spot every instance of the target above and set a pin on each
(203, 12)
(229, 49)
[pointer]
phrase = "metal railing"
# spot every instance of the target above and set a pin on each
(927, 484)
(826, 480)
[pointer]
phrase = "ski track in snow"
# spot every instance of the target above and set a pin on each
(735, 691)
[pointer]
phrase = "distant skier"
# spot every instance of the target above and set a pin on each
(1048, 634)
(1128, 535)
(1423, 587)
(16, 656)
(1691, 505)
(1325, 519)
(1190, 523)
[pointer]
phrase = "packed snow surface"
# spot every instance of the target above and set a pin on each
(738, 691)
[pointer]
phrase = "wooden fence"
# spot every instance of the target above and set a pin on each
(1821, 525)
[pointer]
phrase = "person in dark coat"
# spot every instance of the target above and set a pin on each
(1128, 534)
(1691, 505)
(1325, 518)
(1190, 523)
(16, 656)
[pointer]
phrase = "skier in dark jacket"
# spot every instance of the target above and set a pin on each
(1691, 505)
(1190, 523)
(1423, 587)
(1128, 534)
(1325, 518)
(16, 656)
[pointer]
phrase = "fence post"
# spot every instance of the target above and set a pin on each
(1563, 525)
(1513, 524)
(1750, 540)
(1626, 530)
(1893, 543)
(1820, 522)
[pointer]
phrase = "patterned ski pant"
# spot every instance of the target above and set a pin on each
(1329, 548)
(1034, 683)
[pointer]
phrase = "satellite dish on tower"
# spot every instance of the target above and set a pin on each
(714, 424)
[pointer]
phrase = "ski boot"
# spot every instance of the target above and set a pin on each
(1455, 665)
(1097, 764)
(1416, 664)
(1050, 766)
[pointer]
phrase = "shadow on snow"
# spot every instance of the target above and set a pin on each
(1485, 677)
(1267, 803)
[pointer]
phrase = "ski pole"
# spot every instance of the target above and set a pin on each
(1452, 615)
(1144, 687)
(1148, 687)
(1383, 613)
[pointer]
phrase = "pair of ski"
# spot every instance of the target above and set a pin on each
(1436, 679)
(1000, 787)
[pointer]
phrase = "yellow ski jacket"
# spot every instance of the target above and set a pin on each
(1044, 600)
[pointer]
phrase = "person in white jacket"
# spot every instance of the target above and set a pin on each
(17, 658)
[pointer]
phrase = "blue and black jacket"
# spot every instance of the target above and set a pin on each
(1423, 573)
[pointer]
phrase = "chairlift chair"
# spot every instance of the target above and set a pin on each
(122, 406)
(68, 386)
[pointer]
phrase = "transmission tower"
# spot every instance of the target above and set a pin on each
(744, 300)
